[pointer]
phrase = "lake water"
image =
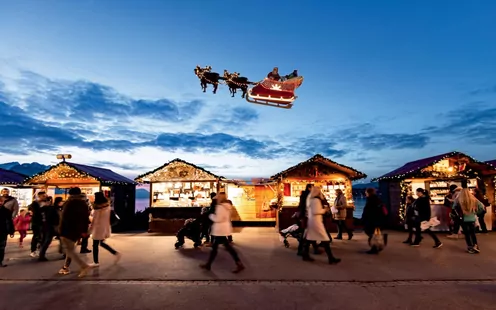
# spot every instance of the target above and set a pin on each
(143, 203)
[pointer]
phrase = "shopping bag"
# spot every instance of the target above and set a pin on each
(377, 240)
(114, 218)
(433, 222)
(334, 210)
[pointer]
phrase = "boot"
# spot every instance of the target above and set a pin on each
(305, 255)
(373, 250)
(332, 260)
(239, 267)
(206, 266)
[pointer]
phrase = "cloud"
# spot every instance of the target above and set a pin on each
(474, 122)
(483, 91)
(132, 167)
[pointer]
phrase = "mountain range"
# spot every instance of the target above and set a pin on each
(26, 169)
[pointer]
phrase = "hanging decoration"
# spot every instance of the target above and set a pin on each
(66, 170)
(177, 170)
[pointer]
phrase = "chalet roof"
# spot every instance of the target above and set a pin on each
(491, 162)
(141, 177)
(350, 172)
(417, 165)
(103, 175)
(9, 177)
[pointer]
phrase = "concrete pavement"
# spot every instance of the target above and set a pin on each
(153, 275)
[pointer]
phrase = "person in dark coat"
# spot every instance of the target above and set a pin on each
(422, 210)
(74, 225)
(274, 74)
(50, 221)
(206, 221)
(6, 229)
(84, 240)
(480, 196)
(409, 218)
(454, 227)
(302, 216)
(373, 216)
(36, 222)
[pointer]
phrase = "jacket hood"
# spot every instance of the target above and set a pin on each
(81, 197)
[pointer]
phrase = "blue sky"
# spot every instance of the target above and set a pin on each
(112, 82)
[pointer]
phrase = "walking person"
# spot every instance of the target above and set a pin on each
(74, 223)
(303, 220)
(409, 218)
(6, 229)
(221, 229)
(85, 240)
(100, 227)
(207, 222)
(480, 197)
(10, 202)
(36, 222)
(422, 210)
(316, 230)
(50, 220)
(449, 200)
(21, 223)
(341, 204)
(373, 217)
(468, 208)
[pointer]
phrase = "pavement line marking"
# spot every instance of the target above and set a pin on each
(386, 283)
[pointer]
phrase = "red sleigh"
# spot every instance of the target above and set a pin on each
(280, 94)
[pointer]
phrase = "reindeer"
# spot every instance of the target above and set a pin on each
(234, 81)
(206, 77)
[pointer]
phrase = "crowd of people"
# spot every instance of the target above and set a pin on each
(71, 222)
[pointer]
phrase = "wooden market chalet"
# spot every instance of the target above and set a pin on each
(435, 174)
(59, 178)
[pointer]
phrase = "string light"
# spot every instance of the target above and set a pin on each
(321, 159)
(65, 170)
(404, 175)
(177, 169)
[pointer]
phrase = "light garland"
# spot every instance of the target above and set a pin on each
(64, 170)
(419, 168)
(405, 188)
(320, 159)
(177, 169)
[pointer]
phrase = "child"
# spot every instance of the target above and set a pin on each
(21, 223)
(6, 229)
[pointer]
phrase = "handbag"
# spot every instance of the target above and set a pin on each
(377, 240)
(114, 218)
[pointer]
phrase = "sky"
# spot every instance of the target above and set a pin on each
(112, 83)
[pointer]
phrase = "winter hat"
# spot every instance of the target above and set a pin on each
(100, 198)
(75, 191)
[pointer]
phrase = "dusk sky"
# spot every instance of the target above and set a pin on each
(112, 83)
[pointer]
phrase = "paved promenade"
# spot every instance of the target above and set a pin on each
(152, 275)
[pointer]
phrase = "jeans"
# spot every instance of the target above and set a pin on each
(101, 243)
(483, 227)
(23, 234)
(215, 246)
(36, 237)
(469, 232)
(70, 253)
(84, 244)
(341, 228)
(418, 234)
(47, 240)
(3, 244)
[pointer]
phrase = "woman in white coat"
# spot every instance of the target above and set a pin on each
(220, 231)
(316, 231)
(100, 227)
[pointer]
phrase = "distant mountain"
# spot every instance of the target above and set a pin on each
(366, 185)
(142, 193)
(27, 169)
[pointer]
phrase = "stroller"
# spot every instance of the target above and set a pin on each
(192, 230)
(294, 231)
